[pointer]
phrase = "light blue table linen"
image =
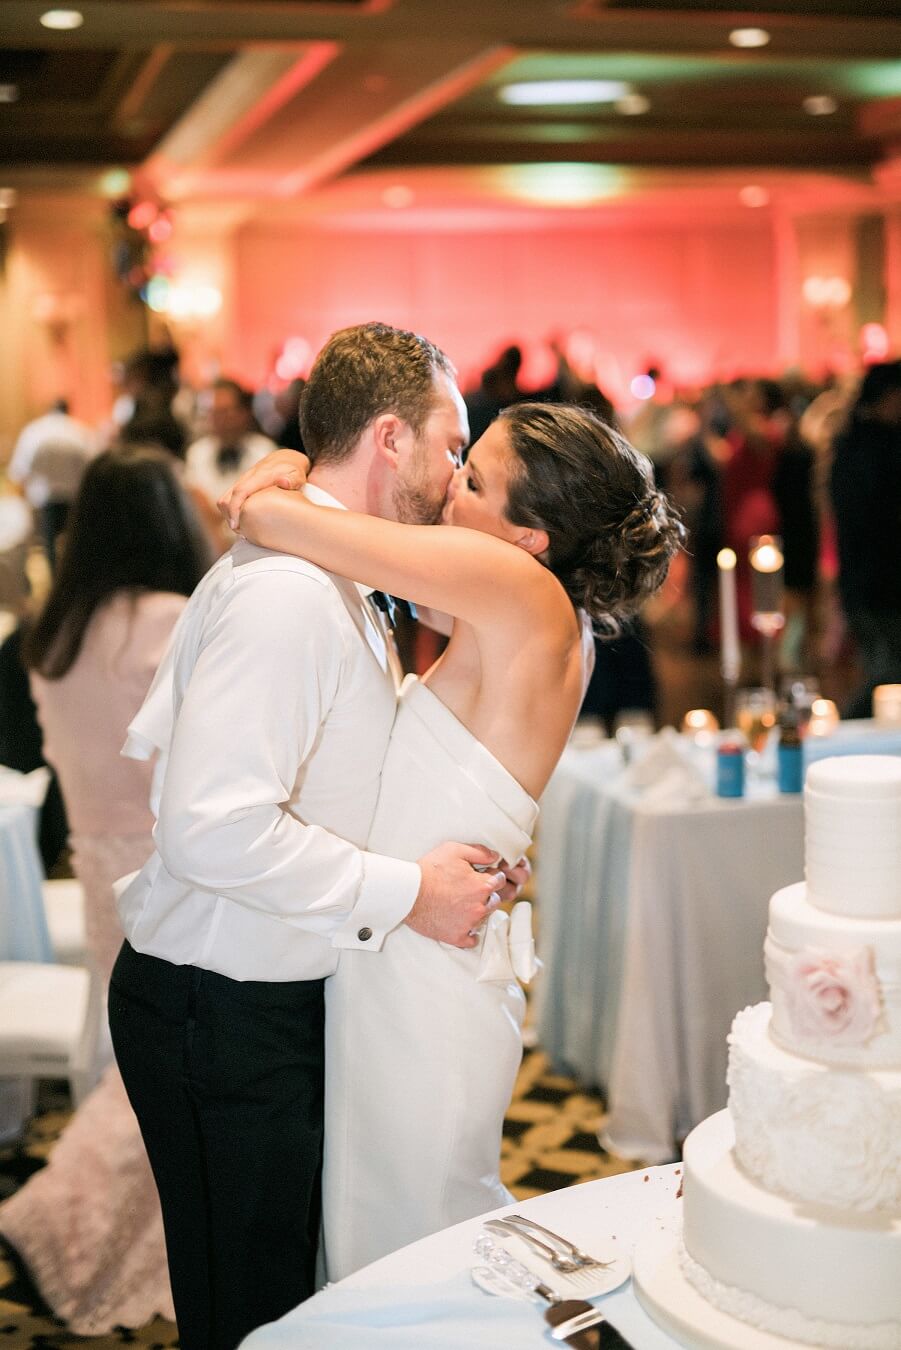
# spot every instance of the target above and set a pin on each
(447, 1315)
(24, 935)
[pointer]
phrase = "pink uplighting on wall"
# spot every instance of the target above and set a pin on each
(703, 296)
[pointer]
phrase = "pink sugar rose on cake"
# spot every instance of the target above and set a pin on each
(833, 995)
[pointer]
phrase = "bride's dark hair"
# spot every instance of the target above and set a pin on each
(611, 533)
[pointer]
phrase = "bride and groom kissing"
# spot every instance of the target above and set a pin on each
(317, 937)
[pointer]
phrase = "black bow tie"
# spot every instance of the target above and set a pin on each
(393, 607)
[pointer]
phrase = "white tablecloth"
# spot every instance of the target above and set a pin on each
(422, 1298)
(652, 920)
(23, 926)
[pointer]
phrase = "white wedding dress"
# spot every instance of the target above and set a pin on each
(423, 1040)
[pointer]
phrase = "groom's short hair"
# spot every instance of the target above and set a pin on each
(360, 373)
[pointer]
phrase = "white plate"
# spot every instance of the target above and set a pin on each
(589, 1283)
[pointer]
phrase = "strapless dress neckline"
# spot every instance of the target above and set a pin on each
(467, 750)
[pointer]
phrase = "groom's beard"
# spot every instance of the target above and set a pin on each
(415, 499)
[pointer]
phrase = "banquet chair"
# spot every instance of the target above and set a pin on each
(50, 1023)
(64, 908)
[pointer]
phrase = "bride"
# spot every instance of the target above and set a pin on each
(556, 525)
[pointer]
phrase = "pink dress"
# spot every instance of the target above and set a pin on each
(88, 1225)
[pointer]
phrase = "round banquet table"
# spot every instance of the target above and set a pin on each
(422, 1297)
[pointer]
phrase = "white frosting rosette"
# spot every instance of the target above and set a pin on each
(827, 1136)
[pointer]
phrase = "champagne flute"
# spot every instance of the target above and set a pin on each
(755, 716)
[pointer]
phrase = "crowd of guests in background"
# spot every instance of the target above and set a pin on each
(816, 463)
(813, 463)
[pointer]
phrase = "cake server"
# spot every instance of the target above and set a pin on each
(570, 1320)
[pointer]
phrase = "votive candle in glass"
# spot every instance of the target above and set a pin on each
(823, 717)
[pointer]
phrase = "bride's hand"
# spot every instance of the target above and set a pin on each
(282, 468)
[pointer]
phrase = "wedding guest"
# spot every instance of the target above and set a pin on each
(234, 443)
(87, 1226)
(866, 499)
(48, 461)
(21, 746)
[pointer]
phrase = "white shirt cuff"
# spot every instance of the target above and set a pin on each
(387, 894)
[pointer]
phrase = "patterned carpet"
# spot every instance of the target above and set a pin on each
(549, 1141)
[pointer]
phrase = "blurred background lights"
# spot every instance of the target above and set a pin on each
(159, 230)
(643, 387)
(752, 195)
(156, 294)
(874, 343)
(115, 183)
(193, 300)
(536, 93)
(633, 105)
(295, 359)
(749, 37)
(826, 292)
(62, 19)
(142, 214)
(820, 105)
(182, 301)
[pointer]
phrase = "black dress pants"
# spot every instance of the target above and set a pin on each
(226, 1080)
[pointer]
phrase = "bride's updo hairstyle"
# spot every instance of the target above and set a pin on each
(611, 533)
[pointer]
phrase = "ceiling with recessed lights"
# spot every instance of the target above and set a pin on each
(274, 103)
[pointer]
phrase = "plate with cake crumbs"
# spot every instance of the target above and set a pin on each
(589, 1282)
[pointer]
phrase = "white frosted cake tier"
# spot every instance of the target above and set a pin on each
(835, 983)
(808, 1272)
(811, 1132)
(852, 848)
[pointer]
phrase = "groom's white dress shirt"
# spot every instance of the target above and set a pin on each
(272, 712)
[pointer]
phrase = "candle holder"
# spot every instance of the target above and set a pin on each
(887, 704)
(823, 717)
(730, 649)
(767, 615)
(700, 726)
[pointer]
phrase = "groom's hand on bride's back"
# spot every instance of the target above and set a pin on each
(454, 898)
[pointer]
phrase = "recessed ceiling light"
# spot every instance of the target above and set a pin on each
(752, 195)
(63, 19)
(9, 93)
(538, 93)
(633, 105)
(820, 105)
(749, 37)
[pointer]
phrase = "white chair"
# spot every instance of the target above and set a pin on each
(64, 908)
(50, 1023)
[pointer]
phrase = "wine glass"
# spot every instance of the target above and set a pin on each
(755, 716)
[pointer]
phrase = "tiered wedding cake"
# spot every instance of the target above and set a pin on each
(792, 1197)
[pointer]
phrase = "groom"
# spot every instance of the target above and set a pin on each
(272, 711)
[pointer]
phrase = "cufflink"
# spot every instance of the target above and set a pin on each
(364, 934)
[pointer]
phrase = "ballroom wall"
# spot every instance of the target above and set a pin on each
(705, 295)
(699, 298)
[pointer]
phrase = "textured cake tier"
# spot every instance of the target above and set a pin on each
(805, 1271)
(852, 837)
(835, 983)
(811, 1132)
